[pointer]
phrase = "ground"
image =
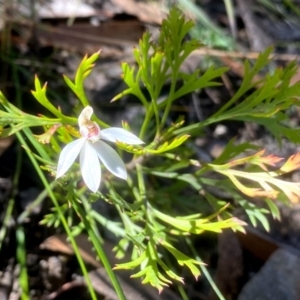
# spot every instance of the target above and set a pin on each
(53, 44)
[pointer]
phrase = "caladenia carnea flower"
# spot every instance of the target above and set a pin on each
(92, 149)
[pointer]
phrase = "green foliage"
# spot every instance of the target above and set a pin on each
(159, 62)
(83, 71)
(170, 195)
(40, 95)
(205, 29)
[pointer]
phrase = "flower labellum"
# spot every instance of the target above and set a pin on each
(92, 149)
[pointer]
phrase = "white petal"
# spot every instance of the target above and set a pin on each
(111, 159)
(68, 156)
(114, 134)
(85, 115)
(90, 167)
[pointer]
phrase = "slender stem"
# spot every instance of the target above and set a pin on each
(61, 215)
(143, 192)
(20, 235)
(81, 94)
(141, 183)
(21, 257)
(92, 230)
(154, 97)
(205, 271)
(156, 112)
(8, 214)
(11, 201)
(182, 292)
(168, 106)
(149, 114)
(170, 96)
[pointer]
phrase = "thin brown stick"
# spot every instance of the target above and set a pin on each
(248, 55)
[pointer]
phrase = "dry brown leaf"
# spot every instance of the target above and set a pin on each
(149, 12)
(110, 37)
(58, 243)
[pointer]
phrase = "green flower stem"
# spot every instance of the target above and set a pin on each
(16, 115)
(81, 95)
(142, 194)
(21, 258)
(61, 215)
(20, 235)
(145, 124)
(141, 183)
(182, 292)
(116, 229)
(204, 270)
(170, 98)
(134, 189)
(31, 121)
(11, 201)
(191, 129)
(130, 227)
(7, 217)
(156, 113)
(94, 236)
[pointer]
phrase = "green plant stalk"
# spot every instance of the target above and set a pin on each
(231, 16)
(140, 94)
(188, 5)
(211, 120)
(11, 201)
(171, 93)
(130, 227)
(21, 258)
(292, 6)
(141, 183)
(20, 235)
(7, 217)
(270, 5)
(82, 97)
(99, 249)
(61, 215)
(152, 94)
(182, 292)
(154, 97)
(204, 270)
(156, 113)
(179, 287)
(142, 194)
(116, 230)
(145, 125)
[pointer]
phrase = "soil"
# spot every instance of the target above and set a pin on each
(52, 270)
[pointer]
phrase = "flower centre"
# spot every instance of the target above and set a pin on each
(91, 131)
(88, 128)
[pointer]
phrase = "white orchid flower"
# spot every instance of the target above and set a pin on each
(92, 149)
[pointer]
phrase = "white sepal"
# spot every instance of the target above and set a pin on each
(90, 167)
(68, 155)
(110, 159)
(114, 134)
